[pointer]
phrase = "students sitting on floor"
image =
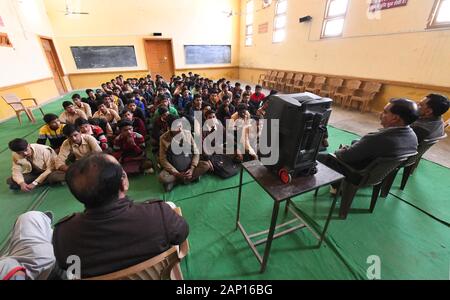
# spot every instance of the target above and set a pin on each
(138, 124)
(109, 102)
(52, 131)
(76, 99)
(137, 112)
(182, 100)
(71, 113)
(160, 126)
(75, 147)
(256, 100)
(113, 232)
(179, 168)
(395, 139)
(108, 114)
(32, 165)
(165, 102)
(93, 130)
(196, 106)
(91, 100)
(430, 124)
(237, 90)
(241, 122)
(226, 110)
(129, 150)
(214, 99)
(225, 92)
(29, 253)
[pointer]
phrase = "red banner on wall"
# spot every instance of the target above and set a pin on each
(1, 22)
(386, 4)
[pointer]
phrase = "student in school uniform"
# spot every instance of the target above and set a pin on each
(108, 114)
(70, 113)
(95, 131)
(76, 99)
(52, 131)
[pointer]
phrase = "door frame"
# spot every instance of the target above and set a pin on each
(159, 39)
(58, 62)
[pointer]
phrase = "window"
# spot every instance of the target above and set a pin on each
(333, 25)
(279, 23)
(440, 15)
(249, 24)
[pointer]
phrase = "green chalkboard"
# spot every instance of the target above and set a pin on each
(96, 57)
(207, 54)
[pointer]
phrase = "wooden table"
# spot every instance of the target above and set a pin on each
(281, 192)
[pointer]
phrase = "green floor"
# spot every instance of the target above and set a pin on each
(409, 230)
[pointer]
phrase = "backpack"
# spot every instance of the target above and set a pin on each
(182, 162)
(224, 166)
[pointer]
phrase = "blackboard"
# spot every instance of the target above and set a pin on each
(104, 57)
(207, 54)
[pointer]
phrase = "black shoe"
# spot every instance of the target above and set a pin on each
(50, 215)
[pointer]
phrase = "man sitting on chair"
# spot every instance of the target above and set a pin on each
(32, 165)
(113, 233)
(395, 139)
(430, 124)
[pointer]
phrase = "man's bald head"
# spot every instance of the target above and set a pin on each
(95, 180)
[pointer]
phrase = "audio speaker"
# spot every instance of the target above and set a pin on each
(305, 19)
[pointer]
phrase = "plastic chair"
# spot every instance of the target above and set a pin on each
(281, 85)
(295, 82)
(18, 106)
(329, 89)
(301, 86)
(344, 93)
(315, 86)
(409, 166)
(372, 175)
(366, 95)
(156, 268)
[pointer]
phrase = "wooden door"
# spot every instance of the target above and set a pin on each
(160, 57)
(53, 62)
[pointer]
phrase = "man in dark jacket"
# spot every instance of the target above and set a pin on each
(395, 139)
(430, 124)
(113, 233)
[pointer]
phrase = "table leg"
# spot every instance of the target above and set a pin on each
(239, 198)
(286, 210)
(330, 215)
(273, 224)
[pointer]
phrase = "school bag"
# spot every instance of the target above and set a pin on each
(224, 166)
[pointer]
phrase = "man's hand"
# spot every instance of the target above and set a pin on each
(188, 175)
(179, 175)
(26, 187)
(64, 168)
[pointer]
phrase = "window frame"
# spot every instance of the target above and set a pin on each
(432, 24)
(247, 13)
(285, 14)
(327, 19)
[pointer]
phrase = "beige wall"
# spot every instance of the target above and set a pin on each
(394, 47)
(24, 69)
(118, 22)
(24, 21)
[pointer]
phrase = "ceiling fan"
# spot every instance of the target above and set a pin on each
(69, 12)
